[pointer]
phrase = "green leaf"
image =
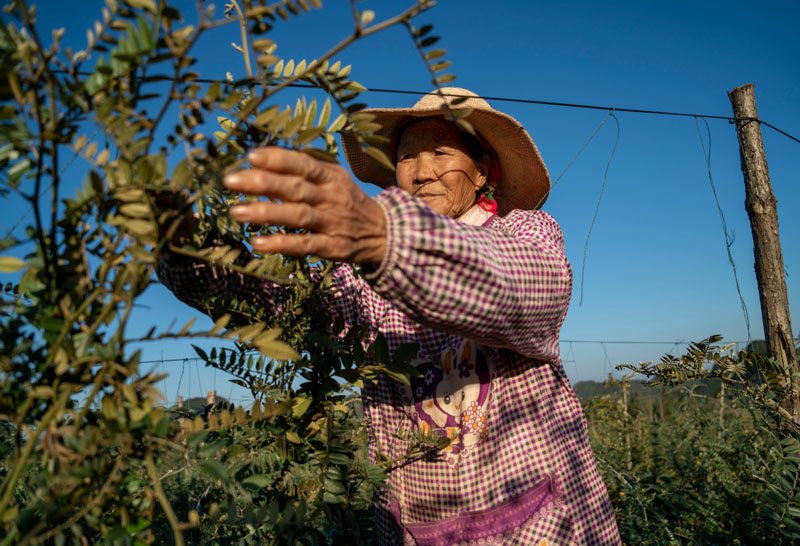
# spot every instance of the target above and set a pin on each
(300, 405)
(267, 115)
(397, 376)
(794, 511)
(200, 352)
(215, 469)
(338, 123)
(429, 41)
(7, 242)
(210, 450)
(340, 458)
(162, 427)
(134, 529)
(379, 156)
(465, 126)
(309, 134)
(333, 486)
(259, 481)
(288, 69)
(358, 354)
(325, 113)
(375, 473)
(149, 5)
(196, 439)
(330, 498)
(226, 124)
(145, 35)
(276, 349)
(405, 368)
(19, 168)
(380, 349)
(277, 71)
(406, 352)
(141, 228)
(423, 30)
(135, 210)
(293, 437)
(434, 54)
(10, 264)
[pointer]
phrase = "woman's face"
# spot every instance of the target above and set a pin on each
(433, 163)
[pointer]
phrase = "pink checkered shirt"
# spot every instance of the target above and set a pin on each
(485, 303)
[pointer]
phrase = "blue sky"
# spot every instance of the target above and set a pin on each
(656, 267)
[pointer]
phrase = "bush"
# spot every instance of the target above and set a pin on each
(87, 453)
(712, 461)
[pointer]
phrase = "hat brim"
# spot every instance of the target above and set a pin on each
(524, 181)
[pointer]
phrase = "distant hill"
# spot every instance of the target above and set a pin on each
(199, 403)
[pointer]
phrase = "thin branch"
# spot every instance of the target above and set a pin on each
(245, 48)
(52, 121)
(174, 523)
(253, 104)
(234, 267)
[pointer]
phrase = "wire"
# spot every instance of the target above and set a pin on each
(183, 367)
(562, 340)
(199, 384)
(575, 158)
(597, 207)
(728, 242)
(635, 342)
(730, 119)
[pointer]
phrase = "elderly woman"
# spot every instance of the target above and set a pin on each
(459, 259)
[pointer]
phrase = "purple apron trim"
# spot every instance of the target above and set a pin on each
(489, 220)
(476, 525)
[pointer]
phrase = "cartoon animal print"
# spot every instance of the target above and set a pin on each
(451, 399)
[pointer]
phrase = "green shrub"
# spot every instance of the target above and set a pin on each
(87, 452)
(711, 461)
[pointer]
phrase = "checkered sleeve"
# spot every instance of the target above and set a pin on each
(216, 290)
(507, 285)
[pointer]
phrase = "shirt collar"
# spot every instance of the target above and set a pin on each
(476, 216)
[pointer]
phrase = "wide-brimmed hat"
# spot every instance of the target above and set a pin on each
(523, 182)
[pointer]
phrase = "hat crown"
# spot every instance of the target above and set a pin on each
(447, 95)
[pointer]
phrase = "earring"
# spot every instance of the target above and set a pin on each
(486, 199)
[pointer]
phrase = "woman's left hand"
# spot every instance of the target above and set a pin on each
(343, 222)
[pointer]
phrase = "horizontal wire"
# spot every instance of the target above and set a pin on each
(730, 119)
(632, 342)
(597, 341)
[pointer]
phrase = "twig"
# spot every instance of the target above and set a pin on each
(253, 104)
(177, 527)
(245, 48)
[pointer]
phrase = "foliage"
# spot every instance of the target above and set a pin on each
(713, 461)
(87, 453)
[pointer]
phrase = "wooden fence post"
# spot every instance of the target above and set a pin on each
(762, 210)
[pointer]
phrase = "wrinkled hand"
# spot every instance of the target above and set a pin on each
(343, 222)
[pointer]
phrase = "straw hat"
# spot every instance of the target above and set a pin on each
(523, 183)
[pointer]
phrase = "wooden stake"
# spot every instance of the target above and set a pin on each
(211, 400)
(761, 208)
